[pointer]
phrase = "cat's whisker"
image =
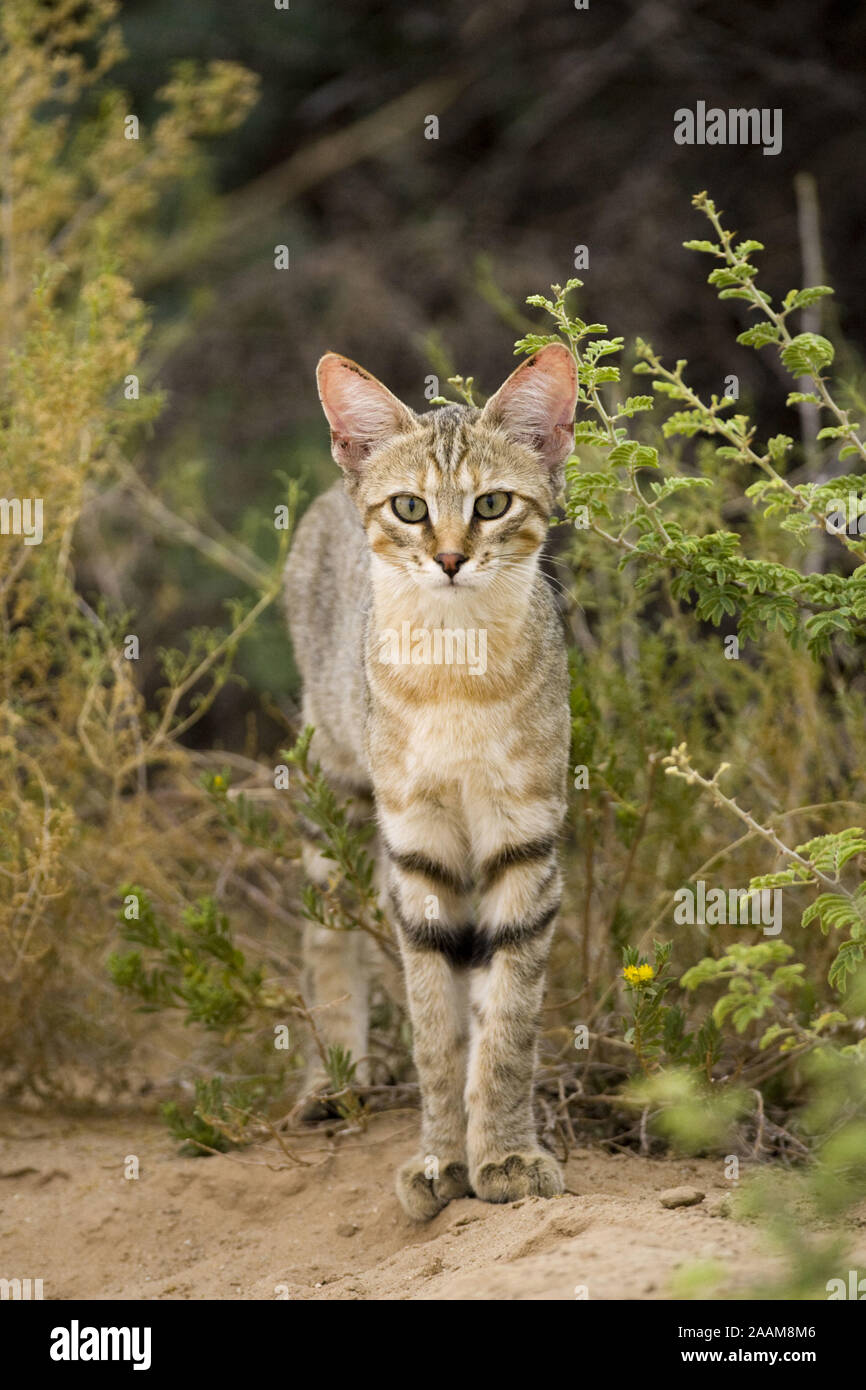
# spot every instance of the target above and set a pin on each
(504, 568)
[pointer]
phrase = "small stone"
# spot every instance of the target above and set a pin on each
(681, 1197)
(347, 1229)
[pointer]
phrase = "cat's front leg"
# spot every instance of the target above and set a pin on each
(521, 890)
(437, 1007)
(430, 904)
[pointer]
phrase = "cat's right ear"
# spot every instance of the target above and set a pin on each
(362, 413)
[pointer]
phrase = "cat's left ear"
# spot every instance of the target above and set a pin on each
(536, 405)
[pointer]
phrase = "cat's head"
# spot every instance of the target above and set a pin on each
(457, 497)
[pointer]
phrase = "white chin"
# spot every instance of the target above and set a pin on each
(444, 585)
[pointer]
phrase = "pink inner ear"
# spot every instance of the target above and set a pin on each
(536, 404)
(360, 410)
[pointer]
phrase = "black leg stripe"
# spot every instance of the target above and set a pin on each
(413, 862)
(467, 947)
(528, 853)
(513, 934)
(456, 944)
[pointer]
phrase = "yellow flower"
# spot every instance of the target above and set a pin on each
(638, 974)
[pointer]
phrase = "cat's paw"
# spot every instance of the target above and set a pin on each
(530, 1174)
(421, 1196)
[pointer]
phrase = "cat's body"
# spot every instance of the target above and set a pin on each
(434, 672)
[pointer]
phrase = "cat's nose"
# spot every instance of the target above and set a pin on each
(450, 561)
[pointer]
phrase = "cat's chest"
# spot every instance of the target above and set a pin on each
(457, 714)
(462, 751)
(456, 754)
(454, 733)
(480, 701)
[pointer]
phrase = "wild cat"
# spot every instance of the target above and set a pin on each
(435, 535)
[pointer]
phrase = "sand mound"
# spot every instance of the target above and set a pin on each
(234, 1228)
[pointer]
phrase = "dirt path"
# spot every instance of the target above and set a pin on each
(212, 1228)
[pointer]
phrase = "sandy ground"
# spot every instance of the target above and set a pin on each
(234, 1228)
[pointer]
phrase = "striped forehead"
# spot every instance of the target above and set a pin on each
(453, 490)
(450, 435)
(450, 479)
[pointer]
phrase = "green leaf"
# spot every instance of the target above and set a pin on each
(774, 1031)
(849, 957)
(689, 422)
(635, 403)
(588, 432)
(830, 853)
(837, 431)
(596, 376)
(798, 299)
(623, 453)
(778, 446)
(533, 341)
(731, 275)
(759, 335)
(807, 354)
(827, 1020)
(832, 910)
(646, 457)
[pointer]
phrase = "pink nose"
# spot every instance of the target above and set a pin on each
(450, 561)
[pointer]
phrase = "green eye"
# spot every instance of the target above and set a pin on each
(492, 504)
(409, 508)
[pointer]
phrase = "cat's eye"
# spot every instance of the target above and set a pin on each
(409, 508)
(492, 504)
